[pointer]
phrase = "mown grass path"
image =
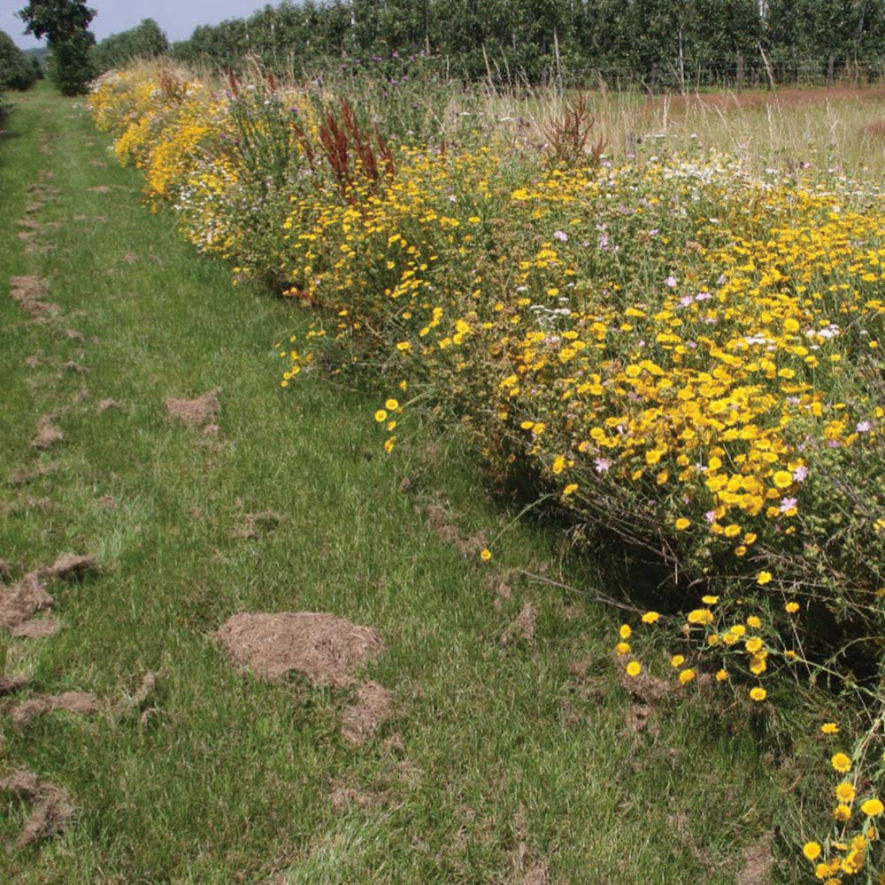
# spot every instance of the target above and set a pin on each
(513, 753)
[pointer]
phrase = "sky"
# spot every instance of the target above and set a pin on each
(177, 18)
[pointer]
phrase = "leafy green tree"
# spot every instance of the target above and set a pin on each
(16, 71)
(65, 25)
(144, 41)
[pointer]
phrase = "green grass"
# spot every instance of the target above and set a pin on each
(509, 759)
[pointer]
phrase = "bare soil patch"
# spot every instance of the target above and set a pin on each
(372, 708)
(53, 809)
(323, 647)
(108, 403)
(198, 413)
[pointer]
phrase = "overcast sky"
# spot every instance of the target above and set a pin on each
(177, 18)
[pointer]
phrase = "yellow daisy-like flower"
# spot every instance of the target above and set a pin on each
(700, 616)
(686, 675)
(763, 578)
(791, 608)
(830, 728)
(570, 489)
(380, 416)
(633, 669)
(753, 645)
(854, 861)
(622, 648)
(840, 762)
(783, 479)
(845, 792)
(811, 850)
(721, 675)
(485, 554)
(709, 600)
(392, 405)
(872, 807)
(650, 617)
(754, 622)
(841, 813)
(625, 632)
(758, 694)
(677, 661)
(682, 523)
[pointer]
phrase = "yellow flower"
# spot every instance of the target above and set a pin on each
(840, 762)
(392, 405)
(570, 489)
(677, 661)
(758, 694)
(854, 861)
(841, 813)
(625, 632)
(700, 616)
(380, 416)
(783, 479)
(686, 675)
(754, 622)
(389, 444)
(682, 523)
(811, 850)
(721, 675)
(830, 728)
(791, 608)
(709, 600)
(650, 617)
(753, 645)
(845, 792)
(634, 668)
(622, 648)
(872, 807)
(485, 554)
(763, 578)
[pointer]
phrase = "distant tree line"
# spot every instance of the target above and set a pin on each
(669, 43)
